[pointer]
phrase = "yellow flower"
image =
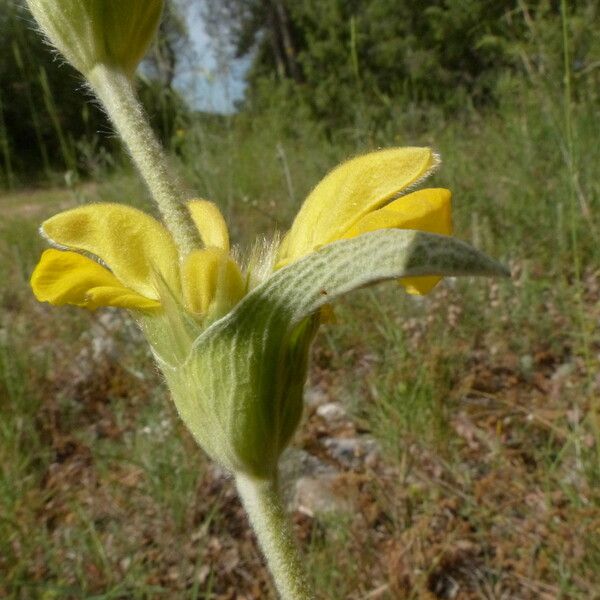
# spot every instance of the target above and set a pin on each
(359, 196)
(142, 258)
(363, 195)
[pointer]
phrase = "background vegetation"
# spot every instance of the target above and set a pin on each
(483, 398)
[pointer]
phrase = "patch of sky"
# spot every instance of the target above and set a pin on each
(214, 80)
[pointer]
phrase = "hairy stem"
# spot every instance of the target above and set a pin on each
(263, 505)
(115, 91)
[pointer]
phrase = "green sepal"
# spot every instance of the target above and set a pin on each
(240, 388)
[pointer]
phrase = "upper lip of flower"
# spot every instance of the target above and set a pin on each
(357, 197)
(351, 191)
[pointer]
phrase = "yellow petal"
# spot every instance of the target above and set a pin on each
(212, 282)
(63, 277)
(131, 243)
(210, 223)
(349, 192)
(425, 210)
(419, 286)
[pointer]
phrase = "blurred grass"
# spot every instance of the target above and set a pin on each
(484, 395)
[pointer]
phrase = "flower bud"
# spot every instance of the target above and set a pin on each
(114, 33)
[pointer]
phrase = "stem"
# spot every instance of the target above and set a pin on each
(569, 135)
(115, 91)
(263, 505)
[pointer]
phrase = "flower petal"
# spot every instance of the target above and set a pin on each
(120, 297)
(212, 282)
(63, 277)
(210, 223)
(349, 192)
(131, 243)
(424, 210)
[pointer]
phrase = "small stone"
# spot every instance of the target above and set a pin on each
(315, 397)
(372, 459)
(331, 412)
(574, 415)
(352, 452)
(104, 347)
(110, 320)
(318, 495)
(563, 371)
(526, 362)
(202, 574)
(296, 463)
(125, 563)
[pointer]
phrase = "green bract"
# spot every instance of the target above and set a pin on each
(238, 384)
(115, 33)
